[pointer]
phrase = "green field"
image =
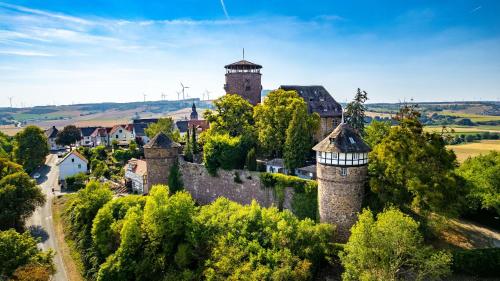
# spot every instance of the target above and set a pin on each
(472, 117)
(466, 130)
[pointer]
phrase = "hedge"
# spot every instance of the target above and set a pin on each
(477, 262)
(305, 198)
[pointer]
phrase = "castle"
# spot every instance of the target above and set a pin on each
(341, 158)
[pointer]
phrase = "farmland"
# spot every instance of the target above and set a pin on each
(464, 151)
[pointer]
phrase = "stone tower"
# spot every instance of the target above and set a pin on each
(244, 78)
(194, 113)
(160, 154)
(342, 170)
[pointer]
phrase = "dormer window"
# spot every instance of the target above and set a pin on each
(352, 140)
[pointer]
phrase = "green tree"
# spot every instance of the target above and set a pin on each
(69, 135)
(255, 243)
(99, 152)
(19, 250)
(273, 118)
(100, 169)
(413, 169)
(6, 145)
(390, 248)
(76, 182)
(165, 125)
(251, 160)
(299, 138)
(355, 111)
(80, 212)
(482, 175)
(107, 224)
(19, 197)
(115, 144)
(232, 115)
(194, 142)
(122, 155)
(224, 151)
(188, 151)
(175, 179)
(31, 148)
(376, 131)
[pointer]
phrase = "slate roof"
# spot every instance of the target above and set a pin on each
(87, 131)
(343, 139)
(318, 100)
(203, 124)
(182, 125)
(243, 64)
(139, 129)
(276, 162)
(51, 132)
(161, 141)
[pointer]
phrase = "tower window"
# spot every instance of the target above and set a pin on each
(352, 140)
(72, 160)
(343, 171)
(355, 156)
(247, 88)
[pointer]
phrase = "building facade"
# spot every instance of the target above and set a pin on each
(319, 100)
(51, 135)
(244, 79)
(72, 164)
(136, 175)
(342, 172)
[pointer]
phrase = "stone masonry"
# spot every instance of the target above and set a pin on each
(246, 84)
(340, 197)
(158, 162)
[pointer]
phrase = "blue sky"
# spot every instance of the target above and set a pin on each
(60, 52)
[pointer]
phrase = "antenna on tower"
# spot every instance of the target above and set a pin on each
(10, 101)
(243, 53)
(144, 97)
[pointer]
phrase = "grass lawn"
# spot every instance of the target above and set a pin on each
(464, 151)
(71, 257)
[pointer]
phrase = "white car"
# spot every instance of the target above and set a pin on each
(36, 176)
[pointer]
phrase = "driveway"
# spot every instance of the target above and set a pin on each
(41, 224)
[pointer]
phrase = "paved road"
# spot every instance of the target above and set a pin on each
(41, 223)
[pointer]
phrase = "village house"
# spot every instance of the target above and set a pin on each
(87, 136)
(51, 134)
(121, 133)
(72, 164)
(276, 165)
(100, 137)
(138, 127)
(136, 175)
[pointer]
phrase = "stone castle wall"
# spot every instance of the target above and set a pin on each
(237, 83)
(340, 197)
(205, 188)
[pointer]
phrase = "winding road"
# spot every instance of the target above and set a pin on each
(41, 224)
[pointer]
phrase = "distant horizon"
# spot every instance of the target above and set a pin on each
(58, 52)
(200, 100)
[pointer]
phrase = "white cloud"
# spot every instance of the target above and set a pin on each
(25, 53)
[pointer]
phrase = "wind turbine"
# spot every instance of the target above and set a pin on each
(10, 100)
(206, 93)
(144, 97)
(183, 87)
(163, 96)
(178, 95)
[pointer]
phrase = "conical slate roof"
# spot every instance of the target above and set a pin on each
(343, 139)
(161, 141)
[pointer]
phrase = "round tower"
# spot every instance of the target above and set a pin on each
(160, 154)
(342, 170)
(244, 79)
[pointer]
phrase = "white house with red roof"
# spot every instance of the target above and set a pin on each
(136, 175)
(72, 164)
(121, 133)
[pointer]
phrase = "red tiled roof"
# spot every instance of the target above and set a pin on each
(139, 166)
(203, 124)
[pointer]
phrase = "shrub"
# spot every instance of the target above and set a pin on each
(223, 151)
(305, 198)
(477, 262)
(237, 178)
(76, 182)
